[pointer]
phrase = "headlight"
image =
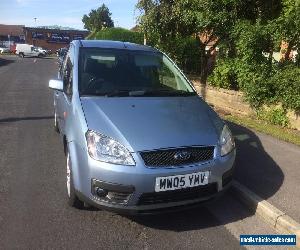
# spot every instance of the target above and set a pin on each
(103, 148)
(226, 141)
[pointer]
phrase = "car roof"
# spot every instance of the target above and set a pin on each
(107, 44)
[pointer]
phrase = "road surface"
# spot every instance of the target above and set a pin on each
(33, 209)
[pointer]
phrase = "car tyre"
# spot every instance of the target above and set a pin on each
(73, 200)
(21, 55)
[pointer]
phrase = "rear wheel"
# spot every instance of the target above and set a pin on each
(21, 55)
(73, 200)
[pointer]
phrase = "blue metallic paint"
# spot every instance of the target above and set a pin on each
(139, 123)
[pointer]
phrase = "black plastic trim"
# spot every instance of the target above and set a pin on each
(112, 186)
(228, 176)
(136, 212)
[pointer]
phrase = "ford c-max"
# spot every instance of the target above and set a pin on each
(137, 137)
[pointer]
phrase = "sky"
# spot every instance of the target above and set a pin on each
(67, 13)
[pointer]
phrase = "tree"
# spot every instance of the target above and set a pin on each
(165, 21)
(289, 25)
(168, 23)
(98, 19)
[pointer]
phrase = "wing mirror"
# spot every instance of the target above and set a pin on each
(56, 85)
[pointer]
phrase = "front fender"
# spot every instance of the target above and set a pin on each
(78, 165)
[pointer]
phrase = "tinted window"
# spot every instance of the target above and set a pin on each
(103, 72)
(68, 76)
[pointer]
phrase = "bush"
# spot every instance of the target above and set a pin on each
(287, 85)
(235, 74)
(276, 116)
(254, 81)
(184, 51)
(224, 75)
(253, 70)
(118, 34)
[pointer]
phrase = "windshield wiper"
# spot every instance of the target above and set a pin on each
(137, 93)
(119, 93)
(161, 93)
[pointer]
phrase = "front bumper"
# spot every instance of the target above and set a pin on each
(149, 210)
(139, 181)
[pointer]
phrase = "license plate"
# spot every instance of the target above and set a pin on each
(181, 181)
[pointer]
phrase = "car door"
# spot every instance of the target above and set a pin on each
(66, 96)
(30, 51)
(58, 98)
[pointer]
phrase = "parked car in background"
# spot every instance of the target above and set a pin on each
(137, 137)
(28, 50)
(45, 51)
(4, 50)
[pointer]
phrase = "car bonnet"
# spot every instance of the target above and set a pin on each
(148, 123)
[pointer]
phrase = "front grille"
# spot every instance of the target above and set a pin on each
(167, 157)
(178, 195)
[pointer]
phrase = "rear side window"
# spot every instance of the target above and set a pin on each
(68, 77)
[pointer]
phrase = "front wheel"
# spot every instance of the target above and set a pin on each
(73, 200)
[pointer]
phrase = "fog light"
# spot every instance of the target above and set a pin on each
(100, 192)
(113, 193)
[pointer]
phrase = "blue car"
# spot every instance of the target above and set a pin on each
(137, 137)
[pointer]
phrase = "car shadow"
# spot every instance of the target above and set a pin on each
(254, 168)
(5, 61)
(186, 220)
(29, 118)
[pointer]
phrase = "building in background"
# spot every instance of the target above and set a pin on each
(51, 38)
(11, 34)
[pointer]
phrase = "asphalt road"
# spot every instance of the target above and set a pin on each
(33, 209)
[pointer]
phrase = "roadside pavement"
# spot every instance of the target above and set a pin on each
(270, 168)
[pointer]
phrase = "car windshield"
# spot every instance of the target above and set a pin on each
(114, 72)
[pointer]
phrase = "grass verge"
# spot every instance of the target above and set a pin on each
(285, 134)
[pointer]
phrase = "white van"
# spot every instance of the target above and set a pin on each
(28, 50)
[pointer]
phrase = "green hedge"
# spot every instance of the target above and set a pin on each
(261, 86)
(184, 51)
(286, 83)
(118, 34)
